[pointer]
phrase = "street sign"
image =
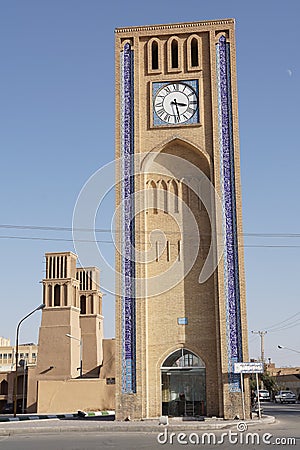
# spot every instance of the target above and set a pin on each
(248, 367)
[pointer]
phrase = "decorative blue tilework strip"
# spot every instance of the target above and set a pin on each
(231, 271)
(128, 266)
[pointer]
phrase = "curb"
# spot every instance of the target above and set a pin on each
(129, 426)
(37, 417)
(96, 413)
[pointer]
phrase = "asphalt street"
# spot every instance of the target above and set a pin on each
(285, 432)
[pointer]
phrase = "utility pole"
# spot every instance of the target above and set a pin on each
(262, 346)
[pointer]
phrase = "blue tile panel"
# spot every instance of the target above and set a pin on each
(231, 270)
(128, 266)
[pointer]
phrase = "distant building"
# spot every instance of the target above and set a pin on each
(4, 342)
(286, 377)
(75, 364)
(28, 354)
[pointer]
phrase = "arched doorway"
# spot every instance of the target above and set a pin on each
(183, 385)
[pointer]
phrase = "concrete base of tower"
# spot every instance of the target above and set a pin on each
(128, 407)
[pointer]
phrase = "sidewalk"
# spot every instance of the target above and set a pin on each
(90, 424)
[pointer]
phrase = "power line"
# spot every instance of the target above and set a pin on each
(287, 327)
(141, 232)
(285, 324)
(54, 239)
(280, 324)
(38, 238)
(105, 230)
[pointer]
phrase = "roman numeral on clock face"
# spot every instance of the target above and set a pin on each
(175, 103)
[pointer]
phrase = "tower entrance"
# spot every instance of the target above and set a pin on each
(183, 385)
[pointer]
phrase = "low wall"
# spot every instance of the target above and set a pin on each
(31, 390)
(73, 395)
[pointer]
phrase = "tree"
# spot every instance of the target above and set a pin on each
(268, 382)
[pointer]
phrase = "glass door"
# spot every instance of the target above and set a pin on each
(183, 392)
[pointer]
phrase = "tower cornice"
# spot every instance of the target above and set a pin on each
(173, 26)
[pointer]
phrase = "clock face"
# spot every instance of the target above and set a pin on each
(175, 103)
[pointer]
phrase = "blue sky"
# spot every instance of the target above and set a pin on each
(57, 129)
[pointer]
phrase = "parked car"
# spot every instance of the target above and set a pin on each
(264, 395)
(8, 409)
(285, 397)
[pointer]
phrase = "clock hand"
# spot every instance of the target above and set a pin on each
(179, 104)
(174, 102)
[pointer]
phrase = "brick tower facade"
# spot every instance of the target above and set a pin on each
(180, 311)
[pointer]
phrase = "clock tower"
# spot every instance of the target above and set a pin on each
(180, 308)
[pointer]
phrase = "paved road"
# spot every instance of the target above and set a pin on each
(287, 420)
(286, 426)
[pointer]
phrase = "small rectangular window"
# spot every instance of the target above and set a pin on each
(168, 251)
(194, 53)
(174, 54)
(179, 250)
(154, 55)
(110, 381)
(153, 51)
(157, 251)
(182, 320)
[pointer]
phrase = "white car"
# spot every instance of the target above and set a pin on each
(264, 395)
(285, 397)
